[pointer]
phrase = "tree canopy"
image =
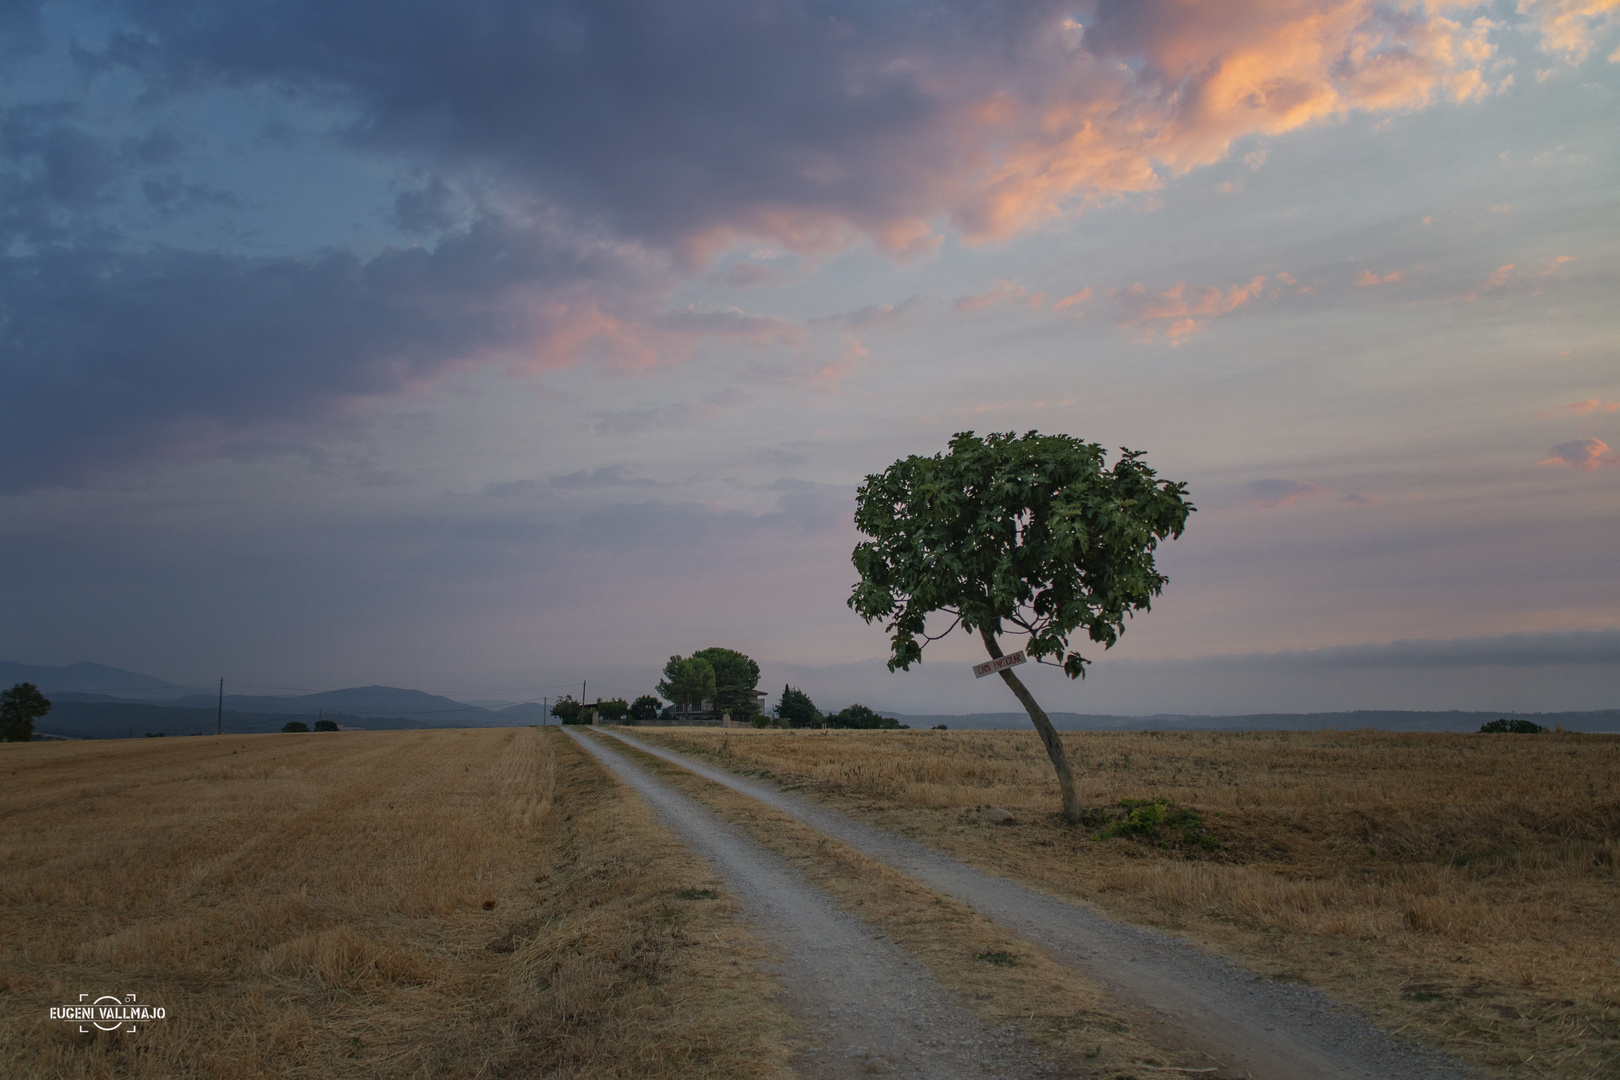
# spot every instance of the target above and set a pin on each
(735, 679)
(645, 709)
(688, 680)
(861, 718)
(20, 706)
(797, 708)
(1031, 535)
(566, 709)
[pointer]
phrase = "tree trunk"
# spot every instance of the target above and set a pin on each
(1049, 735)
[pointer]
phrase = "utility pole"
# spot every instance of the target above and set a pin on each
(219, 719)
(582, 685)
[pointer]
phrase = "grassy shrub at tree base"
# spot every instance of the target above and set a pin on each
(1156, 821)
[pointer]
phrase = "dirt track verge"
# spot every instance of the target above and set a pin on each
(1267, 1028)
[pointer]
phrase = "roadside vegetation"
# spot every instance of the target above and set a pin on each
(1457, 888)
(448, 903)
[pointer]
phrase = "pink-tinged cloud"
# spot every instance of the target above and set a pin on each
(832, 374)
(568, 333)
(1498, 278)
(1073, 299)
(1006, 291)
(1367, 277)
(1178, 310)
(1581, 408)
(1160, 87)
(1272, 493)
(1582, 455)
(1572, 27)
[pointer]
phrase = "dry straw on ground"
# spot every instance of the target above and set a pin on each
(1459, 888)
(365, 904)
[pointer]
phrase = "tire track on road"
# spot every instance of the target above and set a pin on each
(1274, 1031)
(867, 1007)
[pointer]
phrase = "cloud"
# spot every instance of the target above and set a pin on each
(677, 414)
(802, 508)
(834, 371)
(1361, 498)
(749, 275)
(606, 476)
(1571, 27)
(1498, 278)
(1006, 291)
(1367, 277)
(1582, 455)
(427, 209)
(1507, 650)
(1178, 310)
(1272, 493)
(578, 160)
(1073, 299)
(1581, 408)
(186, 353)
(880, 316)
(811, 121)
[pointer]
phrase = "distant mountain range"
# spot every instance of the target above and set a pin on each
(91, 701)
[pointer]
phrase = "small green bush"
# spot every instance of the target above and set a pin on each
(326, 725)
(1157, 821)
(295, 725)
(1511, 727)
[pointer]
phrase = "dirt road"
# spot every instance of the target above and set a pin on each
(1273, 1030)
(866, 1007)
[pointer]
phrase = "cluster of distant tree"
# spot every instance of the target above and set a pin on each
(714, 683)
(299, 725)
(796, 710)
(570, 711)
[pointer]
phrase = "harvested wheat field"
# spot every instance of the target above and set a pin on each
(363, 904)
(1461, 889)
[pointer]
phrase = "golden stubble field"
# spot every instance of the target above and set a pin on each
(363, 904)
(1464, 889)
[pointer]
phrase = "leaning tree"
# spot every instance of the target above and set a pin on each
(1033, 536)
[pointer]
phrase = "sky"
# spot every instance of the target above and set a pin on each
(488, 347)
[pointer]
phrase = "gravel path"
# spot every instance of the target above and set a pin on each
(1274, 1030)
(867, 1008)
